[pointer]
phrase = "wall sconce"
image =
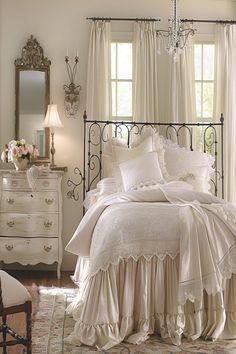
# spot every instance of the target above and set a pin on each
(72, 90)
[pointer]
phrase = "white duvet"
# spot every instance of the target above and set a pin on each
(171, 219)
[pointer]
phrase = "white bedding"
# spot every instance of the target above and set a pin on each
(169, 220)
(201, 227)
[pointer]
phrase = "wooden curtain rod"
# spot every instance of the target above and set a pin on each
(121, 19)
(209, 21)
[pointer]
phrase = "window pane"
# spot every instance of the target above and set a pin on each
(114, 98)
(124, 99)
(113, 60)
(208, 61)
(198, 89)
(198, 61)
(208, 94)
(124, 58)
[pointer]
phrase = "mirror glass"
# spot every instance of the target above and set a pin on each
(32, 108)
(33, 97)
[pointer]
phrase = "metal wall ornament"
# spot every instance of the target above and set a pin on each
(72, 90)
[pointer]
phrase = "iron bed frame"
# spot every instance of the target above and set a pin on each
(96, 134)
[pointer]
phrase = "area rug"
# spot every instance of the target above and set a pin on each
(52, 325)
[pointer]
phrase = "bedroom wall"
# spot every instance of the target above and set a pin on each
(60, 25)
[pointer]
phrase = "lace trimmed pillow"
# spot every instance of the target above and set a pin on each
(141, 172)
(194, 167)
(117, 151)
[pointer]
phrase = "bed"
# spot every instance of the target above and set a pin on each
(156, 247)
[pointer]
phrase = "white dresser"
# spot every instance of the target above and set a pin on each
(31, 221)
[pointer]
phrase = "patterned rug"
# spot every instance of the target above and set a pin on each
(52, 325)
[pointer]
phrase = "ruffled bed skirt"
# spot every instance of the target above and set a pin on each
(134, 299)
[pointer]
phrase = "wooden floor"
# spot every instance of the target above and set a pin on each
(44, 278)
(27, 278)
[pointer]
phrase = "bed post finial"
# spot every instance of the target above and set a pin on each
(85, 115)
(222, 118)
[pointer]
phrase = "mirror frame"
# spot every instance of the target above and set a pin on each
(33, 59)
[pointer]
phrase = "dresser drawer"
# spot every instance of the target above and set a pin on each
(29, 251)
(29, 225)
(27, 202)
(20, 183)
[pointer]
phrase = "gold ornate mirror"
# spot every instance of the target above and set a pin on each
(32, 81)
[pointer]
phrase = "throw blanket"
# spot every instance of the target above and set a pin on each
(207, 244)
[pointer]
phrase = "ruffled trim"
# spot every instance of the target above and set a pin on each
(110, 309)
(113, 257)
(137, 330)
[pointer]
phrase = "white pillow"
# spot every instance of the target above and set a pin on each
(105, 186)
(117, 152)
(142, 171)
(194, 167)
(107, 157)
(122, 154)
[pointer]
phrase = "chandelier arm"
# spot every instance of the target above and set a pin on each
(176, 36)
(182, 31)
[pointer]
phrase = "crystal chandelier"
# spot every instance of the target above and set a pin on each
(175, 38)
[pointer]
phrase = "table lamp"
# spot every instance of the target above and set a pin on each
(52, 120)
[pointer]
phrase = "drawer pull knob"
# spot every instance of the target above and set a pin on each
(14, 183)
(9, 247)
(10, 200)
(47, 224)
(47, 248)
(10, 223)
(49, 201)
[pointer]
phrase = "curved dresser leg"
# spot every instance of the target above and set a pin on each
(59, 270)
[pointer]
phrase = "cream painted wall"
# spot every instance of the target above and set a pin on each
(61, 24)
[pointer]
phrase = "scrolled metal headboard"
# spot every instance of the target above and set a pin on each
(97, 133)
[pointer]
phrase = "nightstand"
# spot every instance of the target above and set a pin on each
(31, 221)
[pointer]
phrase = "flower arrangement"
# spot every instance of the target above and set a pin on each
(18, 150)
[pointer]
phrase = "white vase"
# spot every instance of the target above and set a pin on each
(21, 164)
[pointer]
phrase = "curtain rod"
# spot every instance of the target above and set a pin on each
(121, 19)
(209, 21)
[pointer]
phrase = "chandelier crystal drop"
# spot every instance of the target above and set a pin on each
(175, 38)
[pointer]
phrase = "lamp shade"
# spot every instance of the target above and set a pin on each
(52, 119)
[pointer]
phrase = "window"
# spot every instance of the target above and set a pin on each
(122, 80)
(204, 59)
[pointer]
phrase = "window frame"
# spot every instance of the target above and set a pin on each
(122, 37)
(205, 41)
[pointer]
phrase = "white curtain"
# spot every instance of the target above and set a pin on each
(98, 99)
(182, 87)
(145, 72)
(225, 101)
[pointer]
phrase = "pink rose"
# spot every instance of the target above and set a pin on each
(15, 151)
(30, 149)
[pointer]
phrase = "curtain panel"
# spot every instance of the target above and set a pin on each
(98, 98)
(182, 86)
(225, 100)
(145, 72)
